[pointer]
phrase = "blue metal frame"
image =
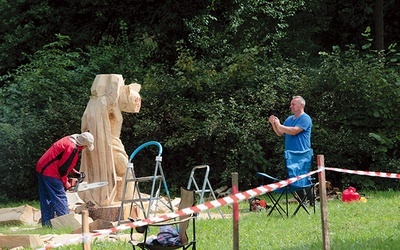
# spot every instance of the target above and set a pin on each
(149, 143)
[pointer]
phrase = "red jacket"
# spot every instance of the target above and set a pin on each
(59, 159)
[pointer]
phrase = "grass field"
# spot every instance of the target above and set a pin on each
(371, 225)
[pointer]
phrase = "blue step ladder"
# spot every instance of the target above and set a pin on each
(156, 181)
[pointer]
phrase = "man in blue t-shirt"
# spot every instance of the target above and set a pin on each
(296, 128)
(297, 131)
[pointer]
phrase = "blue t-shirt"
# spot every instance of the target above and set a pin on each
(301, 141)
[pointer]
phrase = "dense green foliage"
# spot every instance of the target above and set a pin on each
(211, 74)
(28, 24)
(356, 110)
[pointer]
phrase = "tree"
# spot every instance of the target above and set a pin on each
(41, 102)
(28, 25)
(206, 97)
(354, 98)
(379, 27)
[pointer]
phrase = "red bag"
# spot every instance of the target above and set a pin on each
(350, 195)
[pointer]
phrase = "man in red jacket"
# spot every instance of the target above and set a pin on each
(52, 171)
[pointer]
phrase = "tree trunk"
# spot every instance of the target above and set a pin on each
(378, 16)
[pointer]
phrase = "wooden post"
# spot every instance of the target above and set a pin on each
(323, 202)
(235, 190)
(85, 230)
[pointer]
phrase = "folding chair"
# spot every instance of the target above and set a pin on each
(297, 163)
(184, 242)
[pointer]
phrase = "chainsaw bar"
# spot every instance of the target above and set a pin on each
(86, 186)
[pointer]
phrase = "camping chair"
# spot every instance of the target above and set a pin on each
(297, 163)
(181, 225)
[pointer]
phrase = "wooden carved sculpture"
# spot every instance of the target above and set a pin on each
(103, 118)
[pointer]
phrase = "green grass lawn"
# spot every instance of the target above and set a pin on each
(371, 225)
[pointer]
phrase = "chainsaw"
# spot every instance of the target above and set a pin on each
(77, 184)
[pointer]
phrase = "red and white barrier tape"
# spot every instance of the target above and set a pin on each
(369, 173)
(195, 209)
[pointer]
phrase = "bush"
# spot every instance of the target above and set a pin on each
(354, 99)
